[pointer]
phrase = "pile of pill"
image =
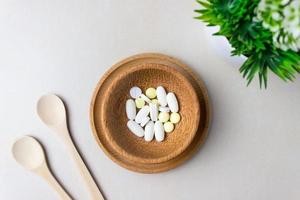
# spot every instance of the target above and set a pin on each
(153, 113)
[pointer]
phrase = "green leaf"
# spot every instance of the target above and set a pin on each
(204, 4)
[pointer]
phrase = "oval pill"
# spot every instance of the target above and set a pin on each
(135, 92)
(139, 102)
(159, 131)
(175, 118)
(145, 98)
(164, 109)
(163, 116)
(155, 101)
(130, 109)
(145, 121)
(153, 111)
(149, 131)
(135, 128)
(172, 102)
(151, 93)
(168, 127)
(142, 114)
(161, 96)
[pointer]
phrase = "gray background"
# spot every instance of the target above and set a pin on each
(64, 47)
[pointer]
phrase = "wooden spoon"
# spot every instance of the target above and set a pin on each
(52, 112)
(29, 153)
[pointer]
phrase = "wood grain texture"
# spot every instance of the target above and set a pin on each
(108, 118)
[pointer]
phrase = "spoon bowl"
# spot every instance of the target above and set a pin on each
(28, 153)
(51, 110)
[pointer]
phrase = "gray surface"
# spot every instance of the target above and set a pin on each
(65, 47)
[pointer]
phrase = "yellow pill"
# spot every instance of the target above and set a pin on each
(155, 101)
(139, 102)
(169, 127)
(175, 118)
(163, 116)
(151, 93)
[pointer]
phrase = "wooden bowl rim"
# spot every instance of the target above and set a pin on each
(172, 163)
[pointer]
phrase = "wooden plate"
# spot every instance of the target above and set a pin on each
(108, 118)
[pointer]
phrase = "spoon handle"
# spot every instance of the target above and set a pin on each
(45, 173)
(84, 172)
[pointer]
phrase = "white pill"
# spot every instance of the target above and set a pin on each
(135, 128)
(153, 111)
(164, 109)
(149, 131)
(145, 98)
(135, 92)
(159, 131)
(130, 109)
(145, 121)
(172, 102)
(161, 96)
(142, 114)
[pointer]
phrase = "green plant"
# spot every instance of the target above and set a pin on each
(249, 28)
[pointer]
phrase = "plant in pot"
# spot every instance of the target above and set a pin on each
(267, 32)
